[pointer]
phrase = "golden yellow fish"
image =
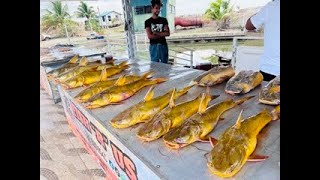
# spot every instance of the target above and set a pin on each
(116, 94)
(71, 64)
(98, 87)
(199, 126)
(83, 67)
(146, 109)
(270, 94)
(90, 77)
(236, 145)
(172, 117)
(215, 76)
(243, 82)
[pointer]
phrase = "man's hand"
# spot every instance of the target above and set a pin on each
(156, 33)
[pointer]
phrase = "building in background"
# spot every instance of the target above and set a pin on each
(142, 11)
(110, 19)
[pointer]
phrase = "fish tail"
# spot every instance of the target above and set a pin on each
(159, 80)
(184, 90)
(147, 75)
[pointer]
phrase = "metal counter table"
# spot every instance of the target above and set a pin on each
(123, 156)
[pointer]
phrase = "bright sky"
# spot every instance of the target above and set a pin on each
(183, 7)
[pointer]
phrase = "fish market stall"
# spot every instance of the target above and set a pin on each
(123, 156)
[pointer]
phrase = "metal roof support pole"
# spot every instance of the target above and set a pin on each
(128, 18)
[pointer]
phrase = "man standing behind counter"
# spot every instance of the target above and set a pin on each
(157, 29)
(269, 16)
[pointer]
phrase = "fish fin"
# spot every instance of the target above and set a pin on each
(125, 66)
(160, 80)
(149, 94)
(242, 100)
(214, 96)
(65, 86)
(213, 141)
(86, 85)
(204, 139)
(221, 118)
(124, 63)
(104, 75)
(74, 59)
(121, 80)
(171, 102)
(83, 61)
(238, 123)
(203, 104)
(257, 158)
(193, 83)
(184, 90)
(92, 106)
(147, 75)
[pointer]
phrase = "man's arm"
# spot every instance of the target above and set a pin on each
(165, 33)
(151, 35)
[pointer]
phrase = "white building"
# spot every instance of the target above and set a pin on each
(110, 18)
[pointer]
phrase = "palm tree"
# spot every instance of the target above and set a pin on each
(57, 17)
(85, 11)
(220, 10)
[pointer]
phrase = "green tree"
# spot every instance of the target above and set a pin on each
(57, 18)
(85, 11)
(220, 10)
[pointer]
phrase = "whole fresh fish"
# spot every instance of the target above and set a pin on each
(243, 82)
(236, 145)
(81, 68)
(172, 117)
(199, 126)
(116, 94)
(146, 109)
(71, 64)
(90, 77)
(270, 94)
(98, 87)
(215, 76)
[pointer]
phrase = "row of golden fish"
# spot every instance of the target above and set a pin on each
(242, 83)
(185, 123)
(102, 91)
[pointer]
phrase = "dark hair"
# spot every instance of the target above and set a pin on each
(156, 2)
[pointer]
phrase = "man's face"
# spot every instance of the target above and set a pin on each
(156, 10)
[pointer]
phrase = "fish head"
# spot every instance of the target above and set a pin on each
(154, 129)
(182, 136)
(233, 89)
(123, 120)
(84, 96)
(70, 84)
(228, 155)
(99, 101)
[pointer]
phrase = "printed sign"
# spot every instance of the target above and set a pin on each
(116, 160)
